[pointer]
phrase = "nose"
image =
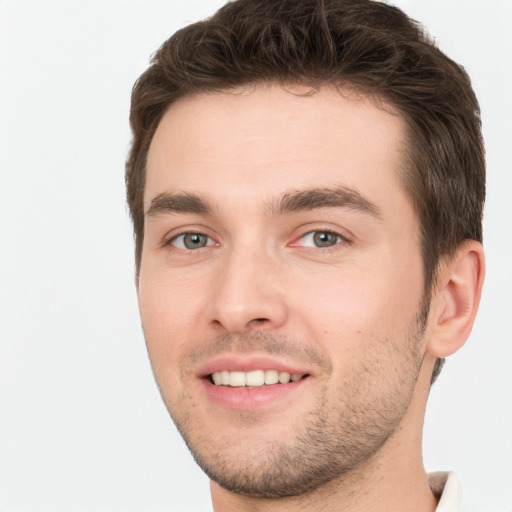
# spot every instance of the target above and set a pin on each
(248, 295)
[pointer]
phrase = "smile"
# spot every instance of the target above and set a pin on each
(254, 378)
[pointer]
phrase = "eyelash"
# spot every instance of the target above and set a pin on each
(314, 233)
(170, 240)
(340, 239)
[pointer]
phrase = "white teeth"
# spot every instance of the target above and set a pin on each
(284, 377)
(237, 379)
(253, 379)
(225, 378)
(271, 377)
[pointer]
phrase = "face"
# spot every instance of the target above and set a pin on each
(281, 283)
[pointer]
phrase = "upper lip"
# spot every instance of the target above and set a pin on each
(247, 363)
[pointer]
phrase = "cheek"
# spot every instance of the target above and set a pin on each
(166, 298)
(365, 324)
(347, 310)
(160, 315)
(164, 310)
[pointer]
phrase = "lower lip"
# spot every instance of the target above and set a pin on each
(249, 399)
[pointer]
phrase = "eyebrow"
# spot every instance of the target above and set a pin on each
(312, 199)
(178, 203)
(301, 200)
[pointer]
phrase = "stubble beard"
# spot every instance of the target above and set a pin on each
(335, 439)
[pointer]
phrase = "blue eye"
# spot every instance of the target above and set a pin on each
(321, 239)
(190, 241)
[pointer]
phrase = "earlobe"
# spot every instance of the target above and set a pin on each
(456, 299)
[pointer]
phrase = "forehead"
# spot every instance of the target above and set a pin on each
(265, 139)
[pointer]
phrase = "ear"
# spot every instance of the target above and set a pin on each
(455, 299)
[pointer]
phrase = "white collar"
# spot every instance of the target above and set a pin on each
(447, 488)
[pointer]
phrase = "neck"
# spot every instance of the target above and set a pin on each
(394, 479)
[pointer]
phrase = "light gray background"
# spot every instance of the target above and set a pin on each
(82, 427)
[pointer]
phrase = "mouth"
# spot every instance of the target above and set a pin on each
(247, 383)
(254, 378)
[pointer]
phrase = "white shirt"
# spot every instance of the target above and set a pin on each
(447, 487)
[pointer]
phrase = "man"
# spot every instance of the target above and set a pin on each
(306, 182)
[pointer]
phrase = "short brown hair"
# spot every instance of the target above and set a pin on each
(367, 45)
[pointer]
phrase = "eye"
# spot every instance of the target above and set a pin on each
(320, 239)
(191, 241)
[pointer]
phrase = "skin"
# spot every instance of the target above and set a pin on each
(347, 314)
